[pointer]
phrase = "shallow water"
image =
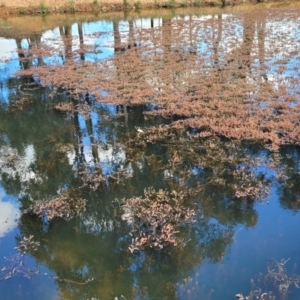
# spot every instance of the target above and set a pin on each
(42, 151)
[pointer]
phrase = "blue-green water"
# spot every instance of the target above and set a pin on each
(43, 151)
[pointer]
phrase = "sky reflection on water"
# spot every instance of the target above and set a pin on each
(230, 243)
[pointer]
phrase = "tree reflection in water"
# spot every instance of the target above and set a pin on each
(95, 150)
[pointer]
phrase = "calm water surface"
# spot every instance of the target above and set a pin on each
(42, 151)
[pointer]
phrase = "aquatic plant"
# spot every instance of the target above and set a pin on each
(225, 164)
(278, 277)
(256, 294)
(64, 107)
(222, 172)
(224, 92)
(27, 245)
(92, 179)
(153, 220)
(17, 263)
(65, 205)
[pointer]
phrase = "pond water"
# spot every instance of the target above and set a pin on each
(246, 198)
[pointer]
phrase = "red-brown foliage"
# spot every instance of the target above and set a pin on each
(204, 71)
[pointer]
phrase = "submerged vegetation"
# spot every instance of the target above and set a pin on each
(278, 277)
(154, 218)
(66, 205)
(150, 151)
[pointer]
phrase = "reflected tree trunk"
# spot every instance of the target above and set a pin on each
(216, 40)
(79, 148)
(66, 34)
(117, 37)
(261, 29)
(118, 48)
(89, 127)
(24, 61)
(248, 36)
(192, 37)
(131, 35)
(81, 41)
(34, 42)
(166, 35)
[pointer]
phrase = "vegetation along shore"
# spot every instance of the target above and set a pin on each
(57, 6)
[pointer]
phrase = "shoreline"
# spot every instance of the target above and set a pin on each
(38, 7)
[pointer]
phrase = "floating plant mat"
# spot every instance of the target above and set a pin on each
(234, 75)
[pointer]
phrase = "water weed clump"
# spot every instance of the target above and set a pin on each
(65, 205)
(16, 265)
(227, 167)
(278, 278)
(27, 245)
(155, 218)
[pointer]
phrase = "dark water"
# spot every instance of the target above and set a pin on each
(42, 151)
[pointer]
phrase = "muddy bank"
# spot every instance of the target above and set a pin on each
(23, 7)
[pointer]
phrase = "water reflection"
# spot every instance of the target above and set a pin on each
(49, 138)
(9, 214)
